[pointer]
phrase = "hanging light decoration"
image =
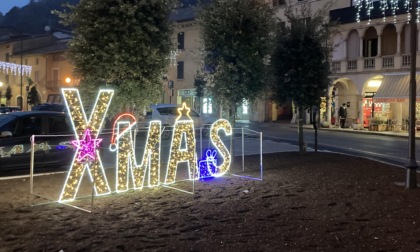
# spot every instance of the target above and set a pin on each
(384, 5)
(15, 69)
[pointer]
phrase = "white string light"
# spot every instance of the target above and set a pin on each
(385, 5)
(15, 69)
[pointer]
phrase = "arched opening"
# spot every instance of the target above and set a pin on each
(344, 93)
(389, 40)
(370, 108)
(370, 43)
(339, 50)
(353, 45)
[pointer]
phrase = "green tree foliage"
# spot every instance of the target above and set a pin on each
(33, 96)
(8, 94)
(301, 69)
(200, 84)
(236, 37)
(123, 44)
(300, 65)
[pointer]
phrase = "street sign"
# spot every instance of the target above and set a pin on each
(187, 92)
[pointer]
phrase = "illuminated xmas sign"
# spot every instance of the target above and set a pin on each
(86, 156)
(147, 173)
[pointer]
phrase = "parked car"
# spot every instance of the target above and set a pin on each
(50, 107)
(167, 113)
(16, 128)
(5, 110)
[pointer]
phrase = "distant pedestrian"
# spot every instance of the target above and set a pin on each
(342, 113)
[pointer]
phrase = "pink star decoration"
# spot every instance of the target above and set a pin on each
(86, 147)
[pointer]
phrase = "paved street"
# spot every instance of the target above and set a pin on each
(389, 147)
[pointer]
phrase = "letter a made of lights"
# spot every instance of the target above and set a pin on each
(182, 129)
(86, 133)
(122, 143)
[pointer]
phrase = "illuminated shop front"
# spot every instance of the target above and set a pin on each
(391, 107)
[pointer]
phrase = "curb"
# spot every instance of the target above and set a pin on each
(353, 131)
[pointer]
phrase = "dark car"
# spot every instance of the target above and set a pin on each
(53, 151)
(50, 107)
(5, 110)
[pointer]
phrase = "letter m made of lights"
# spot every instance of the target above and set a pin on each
(126, 161)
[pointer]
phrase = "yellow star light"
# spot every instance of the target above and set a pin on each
(183, 111)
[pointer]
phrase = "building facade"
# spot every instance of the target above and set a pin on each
(50, 70)
(370, 64)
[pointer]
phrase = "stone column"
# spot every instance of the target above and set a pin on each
(328, 109)
(345, 49)
(360, 112)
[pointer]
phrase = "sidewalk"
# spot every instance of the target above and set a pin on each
(403, 134)
(364, 131)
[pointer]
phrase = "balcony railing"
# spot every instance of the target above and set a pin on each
(369, 63)
(406, 60)
(351, 65)
(388, 62)
(397, 62)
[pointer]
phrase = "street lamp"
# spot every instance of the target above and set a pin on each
(411, 177)
(68, 80)
(411, 171)
(1, 92)
(21, 73)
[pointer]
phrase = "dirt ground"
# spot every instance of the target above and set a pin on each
(314, 202)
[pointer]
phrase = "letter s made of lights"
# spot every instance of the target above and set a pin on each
(221, 124)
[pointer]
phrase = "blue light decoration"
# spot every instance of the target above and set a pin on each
(61, 147)
(208, 165)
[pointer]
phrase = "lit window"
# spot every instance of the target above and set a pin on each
(245, 107)
(207, 106)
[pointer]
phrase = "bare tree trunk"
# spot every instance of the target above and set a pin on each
(302, 148)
